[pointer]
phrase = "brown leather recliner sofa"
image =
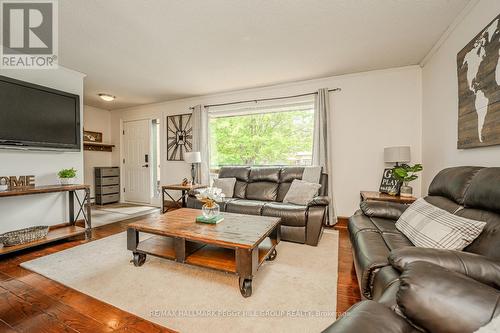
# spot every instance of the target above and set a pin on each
(433, 290)
(431, 299)
(261, 190)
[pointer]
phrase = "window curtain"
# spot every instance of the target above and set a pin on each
(201, 142)
(322, 145)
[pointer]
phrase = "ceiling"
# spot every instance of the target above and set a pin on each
(146, 51)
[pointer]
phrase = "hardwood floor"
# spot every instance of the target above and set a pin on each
(347, 284)
(30, 302)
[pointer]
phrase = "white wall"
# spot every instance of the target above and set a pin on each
(41, 209)
(440, 100)
(96, 120)
(374, 109)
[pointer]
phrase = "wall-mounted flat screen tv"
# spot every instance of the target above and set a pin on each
(33, 116)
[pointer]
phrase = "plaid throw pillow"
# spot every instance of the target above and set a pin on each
(426, 225)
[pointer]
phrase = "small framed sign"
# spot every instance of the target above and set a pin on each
(90, 136)
(389, 184)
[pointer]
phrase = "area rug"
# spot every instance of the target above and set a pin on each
(114, 213)
(296, 292)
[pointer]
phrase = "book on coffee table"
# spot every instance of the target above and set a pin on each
(211, 220)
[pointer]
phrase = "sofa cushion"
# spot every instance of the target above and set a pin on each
(265, 191)
(240, 189)
(443, 203)
(488, 242)
(241, 206)
(291, 215)
(240, 173)
(385, 225)
(264, 175)
(289, 174)
(396, 241)
(484, 190)
(429, 226)
(301, 192)
(452, 183)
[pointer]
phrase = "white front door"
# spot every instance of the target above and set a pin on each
(136, 158)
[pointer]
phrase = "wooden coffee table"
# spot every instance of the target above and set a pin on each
(239, 244)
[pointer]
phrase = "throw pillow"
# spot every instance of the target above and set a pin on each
(226, 185)
(426, 225)
(301, 192)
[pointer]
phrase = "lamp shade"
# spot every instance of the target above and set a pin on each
(399, 154)
(192, 157)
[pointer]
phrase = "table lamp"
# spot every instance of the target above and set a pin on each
(400, 154)
(193, 157)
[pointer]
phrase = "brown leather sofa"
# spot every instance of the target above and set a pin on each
(430, 298)
(432, 290)
(471, 192)
(261, 190)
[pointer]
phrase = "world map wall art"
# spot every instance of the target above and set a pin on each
(478, 68)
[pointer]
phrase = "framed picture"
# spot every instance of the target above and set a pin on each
(92, 136)
(479, 89)
(179, 136)
(389, 185)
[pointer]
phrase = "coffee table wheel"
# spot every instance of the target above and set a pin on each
(139, 259)
(273, 255)
(246, 287)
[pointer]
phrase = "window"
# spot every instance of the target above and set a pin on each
(264, 135)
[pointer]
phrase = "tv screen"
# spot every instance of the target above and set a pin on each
(38, 117)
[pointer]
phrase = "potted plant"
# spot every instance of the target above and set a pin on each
(209, 196)
(406, 173)
(67, 176)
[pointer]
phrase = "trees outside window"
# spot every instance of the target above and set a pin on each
(269, 138)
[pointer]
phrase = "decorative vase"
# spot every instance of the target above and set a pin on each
(66, 181)
(406, 191)
(210, 209)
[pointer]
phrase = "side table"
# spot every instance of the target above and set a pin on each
(377, 196)
(181, 202)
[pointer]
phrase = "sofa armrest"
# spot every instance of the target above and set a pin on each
(440, 300)
(319, 201)
(383, 209)
(475, 266)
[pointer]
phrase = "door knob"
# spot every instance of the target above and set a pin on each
(145, 166)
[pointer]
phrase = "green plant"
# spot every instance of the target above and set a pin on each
(406, 173)
(67, 173)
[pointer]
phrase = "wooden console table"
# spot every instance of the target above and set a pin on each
(61, 231)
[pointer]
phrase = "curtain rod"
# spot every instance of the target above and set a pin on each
(265, 99)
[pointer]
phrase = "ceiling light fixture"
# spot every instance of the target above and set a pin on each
(107, 97)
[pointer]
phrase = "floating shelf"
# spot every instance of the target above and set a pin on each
(97, 146)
